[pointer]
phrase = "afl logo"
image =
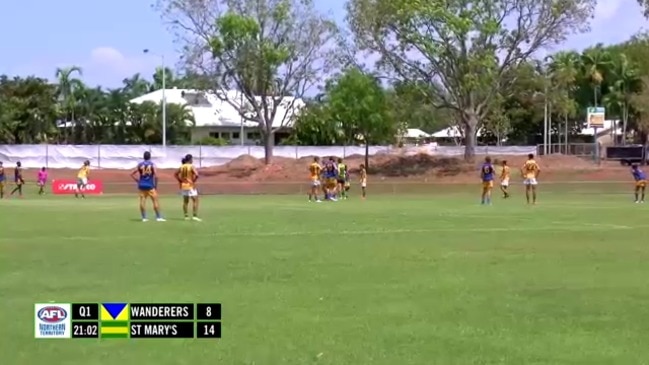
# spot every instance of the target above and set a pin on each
(52, 314)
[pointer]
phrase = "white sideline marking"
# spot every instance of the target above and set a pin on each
(557, 228)
(612, 226)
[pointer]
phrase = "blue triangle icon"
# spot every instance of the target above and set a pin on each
(114, 309)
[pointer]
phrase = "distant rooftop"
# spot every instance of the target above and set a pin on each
(209, 110)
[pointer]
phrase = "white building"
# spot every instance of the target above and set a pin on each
(452, 132)
(217, 118)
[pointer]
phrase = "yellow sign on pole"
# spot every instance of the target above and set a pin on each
(595, 117)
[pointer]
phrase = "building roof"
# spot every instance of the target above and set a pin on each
(415, 133)
(454, 132)
(211, 111)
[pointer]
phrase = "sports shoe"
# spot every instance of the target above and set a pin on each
(197, 219)
(160, 220)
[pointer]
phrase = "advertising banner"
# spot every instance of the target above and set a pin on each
(62, 187)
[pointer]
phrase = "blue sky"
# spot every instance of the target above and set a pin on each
(106, 39)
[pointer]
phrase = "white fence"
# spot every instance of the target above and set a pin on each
(126, 156)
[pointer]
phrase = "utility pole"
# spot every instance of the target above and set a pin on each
(164, 97)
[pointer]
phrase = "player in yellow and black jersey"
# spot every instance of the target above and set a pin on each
(530, 172)
(315, 170)
(187, 176)
(82, 179)
(504, 179)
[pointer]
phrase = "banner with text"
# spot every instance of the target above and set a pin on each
(62, 187)
(596, 117)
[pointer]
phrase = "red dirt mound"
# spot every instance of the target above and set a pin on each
(421, 167)
(417, 165)
(244, 162)
(241, 167)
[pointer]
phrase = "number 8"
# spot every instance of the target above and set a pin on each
(208, 312)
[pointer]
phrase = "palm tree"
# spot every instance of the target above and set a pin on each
(640, 103)
(170, 79)
(136, 86)
(626, 83)
(65, 89)
(180, 119)
(594, 62)
(117, 115)
(564, 68)
(92, 115)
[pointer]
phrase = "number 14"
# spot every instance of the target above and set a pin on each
(209, 330)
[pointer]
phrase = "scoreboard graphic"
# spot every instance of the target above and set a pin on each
(127, 320)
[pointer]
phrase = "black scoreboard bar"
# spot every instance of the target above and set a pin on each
(208, 312)
(85, 329)
(85, 312)
(161, 329)
(155, 312)
(205, 329)
(146, 320)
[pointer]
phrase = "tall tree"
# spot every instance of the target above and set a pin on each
(626, 81)
(564, 69)
(413, 104)
(169, 78)
(637, 51)
(640, 102)
(179, 121)
(265, 49)
(27, 110)
(315, 127)
(66, 85)
(595, 61)
(136, 86)
(463, 47)
(645, 7)
(359, 103)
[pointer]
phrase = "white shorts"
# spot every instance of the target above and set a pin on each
(530, 181)
(82, 181)
(189, 193)
(315, 183)
(363, 184)
(504, 183)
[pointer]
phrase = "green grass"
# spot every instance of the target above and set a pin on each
(427, 279)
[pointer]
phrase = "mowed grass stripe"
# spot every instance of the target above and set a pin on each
(556, 227)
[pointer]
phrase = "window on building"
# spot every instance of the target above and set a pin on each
(235, 135)
(225, 135)
(254, 135)
(215, 135)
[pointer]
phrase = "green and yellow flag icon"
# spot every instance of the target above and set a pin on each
(114, 320)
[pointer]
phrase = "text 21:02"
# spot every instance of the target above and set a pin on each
(85, 330)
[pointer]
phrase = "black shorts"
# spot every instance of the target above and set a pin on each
(341, 181)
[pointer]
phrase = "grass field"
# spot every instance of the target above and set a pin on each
(412, 279)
